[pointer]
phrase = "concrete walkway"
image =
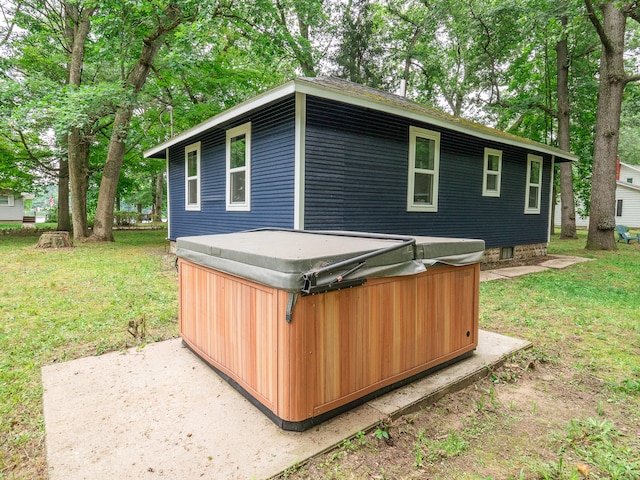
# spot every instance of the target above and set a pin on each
(555, 262)
(161, 412)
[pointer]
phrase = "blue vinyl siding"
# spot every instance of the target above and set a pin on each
(356, 179)
(272, 176)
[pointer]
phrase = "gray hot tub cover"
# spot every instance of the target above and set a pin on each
(280, 258)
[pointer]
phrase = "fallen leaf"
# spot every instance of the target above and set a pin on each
(583, 469)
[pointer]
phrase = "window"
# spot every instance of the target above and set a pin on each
(239, 168)
(424, 161)
(192, 176)
(618, 208)
(506, 253)
(492, 172)
(630, 180)
(6, 200)
(534, 184)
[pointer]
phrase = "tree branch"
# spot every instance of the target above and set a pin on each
(633, 10)
(540, 106)
(631, 78)
(606, 42)
(30, 155)
(10, 24)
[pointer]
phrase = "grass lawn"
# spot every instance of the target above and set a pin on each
(60, 305)
(571, 403)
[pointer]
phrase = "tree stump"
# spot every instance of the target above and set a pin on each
(54, 240)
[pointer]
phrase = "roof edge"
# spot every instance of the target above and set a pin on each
(243, 107)
(381, 103)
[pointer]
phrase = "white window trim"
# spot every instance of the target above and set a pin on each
(487, 172)
(415, 132)
(10, 200)
(188, 149)
(231, 133)
(530, 160)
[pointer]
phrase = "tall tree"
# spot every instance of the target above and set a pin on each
(77, 23)
(361, 52)
(172, 16)
(295, 21)
(610, 24)
(567, 199)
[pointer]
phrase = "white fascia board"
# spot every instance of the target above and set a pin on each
(240, 109)
(332, 94)
(630, 186)
(632, 167)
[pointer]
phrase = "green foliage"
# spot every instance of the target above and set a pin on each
(630, 126)
(381, 433)
(429, 450)
(595, 442)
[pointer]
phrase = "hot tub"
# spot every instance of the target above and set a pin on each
(309, 324)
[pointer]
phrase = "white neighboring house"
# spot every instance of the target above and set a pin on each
(627, 199)
(12, 205)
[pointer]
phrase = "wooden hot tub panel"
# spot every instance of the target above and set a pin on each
(340, 346)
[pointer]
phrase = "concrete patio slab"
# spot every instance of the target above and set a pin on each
(162, 412)
(488, 275)
(511, 272)
(554, 262)
(559, 262)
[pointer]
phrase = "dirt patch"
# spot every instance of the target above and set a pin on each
(510, 425)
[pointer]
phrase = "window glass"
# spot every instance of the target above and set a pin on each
(533, 197)
(193, 192)
(492, 182)
(423, 189)
(4, 200)
(237, 187)
(493, 163)
(192, 162)
(238, 151)
(535, 173)
(425, 148)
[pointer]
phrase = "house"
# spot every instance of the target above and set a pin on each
(627, 198)
(12, 205)
(323, 153)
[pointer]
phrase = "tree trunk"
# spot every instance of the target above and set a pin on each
(157, 203)
(79, 180)
(567, 200)
(64, 223)
(77, 30)
(610, 89)
(304, 54)
(103, 227)
(54, 240)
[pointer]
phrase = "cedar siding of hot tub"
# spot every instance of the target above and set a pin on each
(324, 153)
